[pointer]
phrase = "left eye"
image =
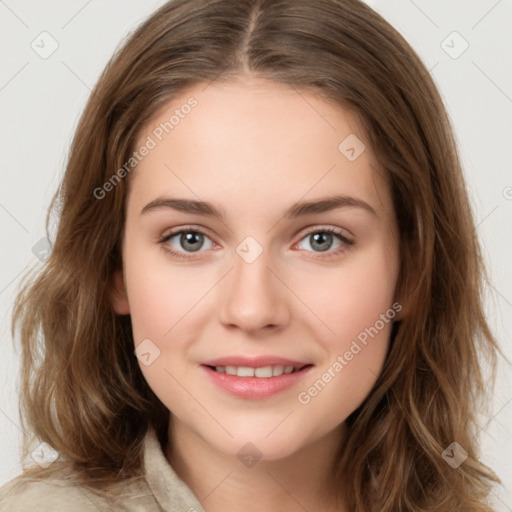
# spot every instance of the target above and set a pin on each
(322, 241)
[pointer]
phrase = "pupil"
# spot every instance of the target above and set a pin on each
(194, 239)
(320, 239)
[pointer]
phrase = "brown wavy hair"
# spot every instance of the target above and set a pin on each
(82, 390)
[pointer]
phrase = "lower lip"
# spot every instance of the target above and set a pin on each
(255, 388)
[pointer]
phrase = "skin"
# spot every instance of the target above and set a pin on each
(254, 148)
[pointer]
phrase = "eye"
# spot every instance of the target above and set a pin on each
(185, 241)
(323, 240)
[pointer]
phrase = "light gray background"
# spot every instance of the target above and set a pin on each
(41, 100)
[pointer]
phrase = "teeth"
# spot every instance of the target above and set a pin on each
(277, 370)
(244, 371)
(231, 370)
(263, 372)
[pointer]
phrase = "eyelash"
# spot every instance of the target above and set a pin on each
(189, 229)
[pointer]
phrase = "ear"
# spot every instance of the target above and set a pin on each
(118, 296)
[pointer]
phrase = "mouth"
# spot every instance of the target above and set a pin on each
(260, 372)
(255, 379)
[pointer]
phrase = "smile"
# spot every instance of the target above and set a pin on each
(263, 372)
(255, 383)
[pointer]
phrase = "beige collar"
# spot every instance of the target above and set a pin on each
(171, 493)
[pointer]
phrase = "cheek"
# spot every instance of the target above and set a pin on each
(337, 389)
(355, 305)
(159, 294)
(161, 304)
(164, 304)
(351, 298)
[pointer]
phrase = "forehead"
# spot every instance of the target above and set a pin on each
(255, 141)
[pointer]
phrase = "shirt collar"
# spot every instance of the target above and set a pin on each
(169, 490)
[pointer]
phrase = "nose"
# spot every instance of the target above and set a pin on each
(253, 298)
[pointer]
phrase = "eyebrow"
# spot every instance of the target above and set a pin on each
(300, 209)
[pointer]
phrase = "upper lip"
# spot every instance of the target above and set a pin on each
(255, 362)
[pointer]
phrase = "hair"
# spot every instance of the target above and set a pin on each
(82, 391)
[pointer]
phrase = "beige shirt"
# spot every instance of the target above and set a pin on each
(161, 490)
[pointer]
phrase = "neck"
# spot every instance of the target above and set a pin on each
(301, 481)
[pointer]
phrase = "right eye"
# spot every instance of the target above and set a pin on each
(185, 241)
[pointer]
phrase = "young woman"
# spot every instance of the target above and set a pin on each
(264, 292)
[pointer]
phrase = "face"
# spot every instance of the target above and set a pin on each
(263, 316)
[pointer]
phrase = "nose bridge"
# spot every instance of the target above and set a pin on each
(251, 298)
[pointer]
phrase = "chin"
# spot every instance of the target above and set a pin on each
(255, 444)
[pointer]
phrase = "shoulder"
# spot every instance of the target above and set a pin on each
(60, 494)
(46, 494)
